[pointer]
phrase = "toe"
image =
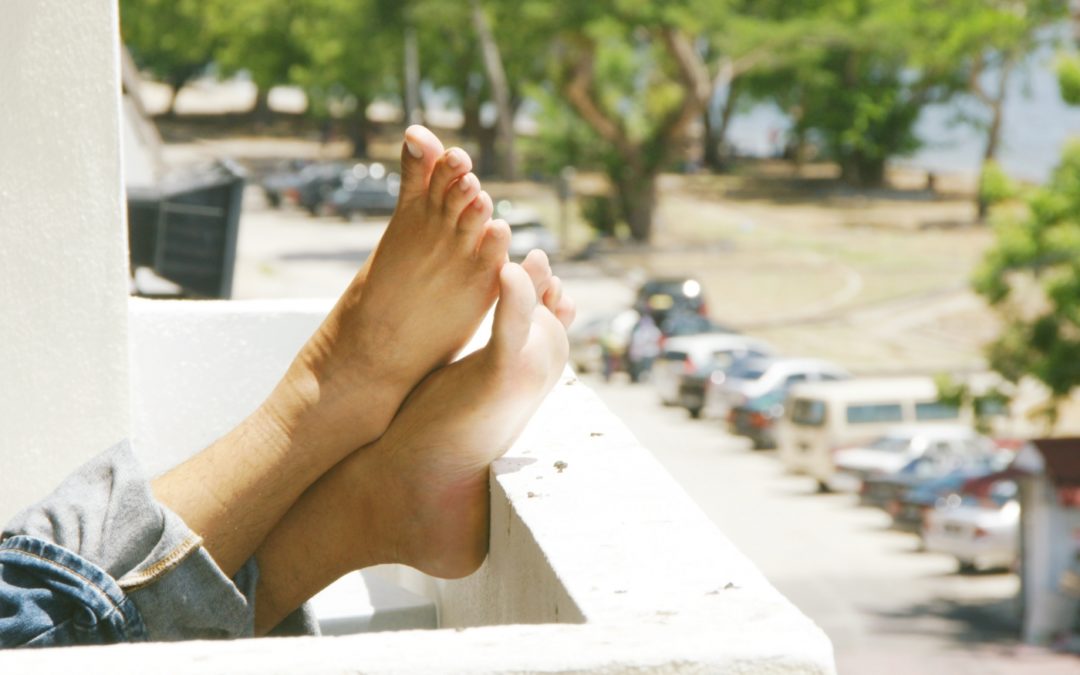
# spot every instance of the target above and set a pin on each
(450, 166)
(552, 294)
(473, 218)
(460, 195)
(513, 314)
(419, 153)
(494, 245)
(565, 311)
(539, 269)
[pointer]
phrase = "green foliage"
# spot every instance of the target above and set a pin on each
(173, 39)
(995, 186)
(1032, 276)
(1068, 72)
(984, 404)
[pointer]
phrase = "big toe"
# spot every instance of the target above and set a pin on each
(513, 314)
(419, 153)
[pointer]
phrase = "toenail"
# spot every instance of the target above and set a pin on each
(453, 158)
(414, 149)
(466, 182)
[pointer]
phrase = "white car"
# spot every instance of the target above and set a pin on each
(893, 450)
(977, 535)
(759, 377)
(686, 354)
(527, 232)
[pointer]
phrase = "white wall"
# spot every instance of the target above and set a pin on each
(199, 368)
(63, 355)
(1050, 548)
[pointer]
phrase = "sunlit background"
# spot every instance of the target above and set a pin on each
(826, 254)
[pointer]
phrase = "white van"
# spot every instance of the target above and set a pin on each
(824, 417)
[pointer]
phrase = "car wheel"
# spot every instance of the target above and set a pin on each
(823, 487)
(967, 567)
(695, 413)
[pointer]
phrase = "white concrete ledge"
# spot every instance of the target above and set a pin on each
(599, 561)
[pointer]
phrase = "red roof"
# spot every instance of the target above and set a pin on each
(1062, 458)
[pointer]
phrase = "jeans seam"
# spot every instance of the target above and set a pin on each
(90, 582)
(174, 557)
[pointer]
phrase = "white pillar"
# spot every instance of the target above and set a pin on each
(63, 258)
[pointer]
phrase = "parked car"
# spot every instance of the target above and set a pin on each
(663, 295)
(760, 377)
(885, 490)
(275, 184)
(698, 356)
(315, 184)
(890, 452)
(909, 511)
(827, 416)
(365, 190)
(586, 354)
(756, 418)
(980, 531)
(527, 232)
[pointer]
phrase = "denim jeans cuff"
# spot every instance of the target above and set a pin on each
(52, 597)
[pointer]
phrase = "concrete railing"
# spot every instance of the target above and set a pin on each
(599, 561)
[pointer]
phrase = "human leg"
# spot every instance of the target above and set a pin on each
(419, 494)
(410, 309)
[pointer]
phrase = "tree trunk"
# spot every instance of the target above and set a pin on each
(359, 130)
(716, 135)
(861, 171)
(710, 157)
(487, 164)
(177, 83)
(470, 112)
(500, 89)
(993, 137)
(637, 200)
(261, 113)
(413, 108)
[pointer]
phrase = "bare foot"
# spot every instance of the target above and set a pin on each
(415, 303)
(419, 495)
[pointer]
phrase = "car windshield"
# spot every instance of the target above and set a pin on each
(747, 370)
(808, 412)
(891, 444)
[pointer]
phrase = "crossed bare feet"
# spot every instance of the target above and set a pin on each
(417, 300)
(418, 494)
(460, 419)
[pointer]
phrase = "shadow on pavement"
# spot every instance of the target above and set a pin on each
(348, 255)
(973, 621)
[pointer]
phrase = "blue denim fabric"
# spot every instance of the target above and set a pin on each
(52, 597)
(101, 561)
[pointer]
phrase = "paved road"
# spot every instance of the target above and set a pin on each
(887, 608)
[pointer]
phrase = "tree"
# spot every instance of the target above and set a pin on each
(352, 54)
(631, 72)
(1032, 277)
(264, 39)
(175, 40)
(993, 38)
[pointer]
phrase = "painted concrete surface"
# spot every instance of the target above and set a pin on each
(199, 368)
(63, 250)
